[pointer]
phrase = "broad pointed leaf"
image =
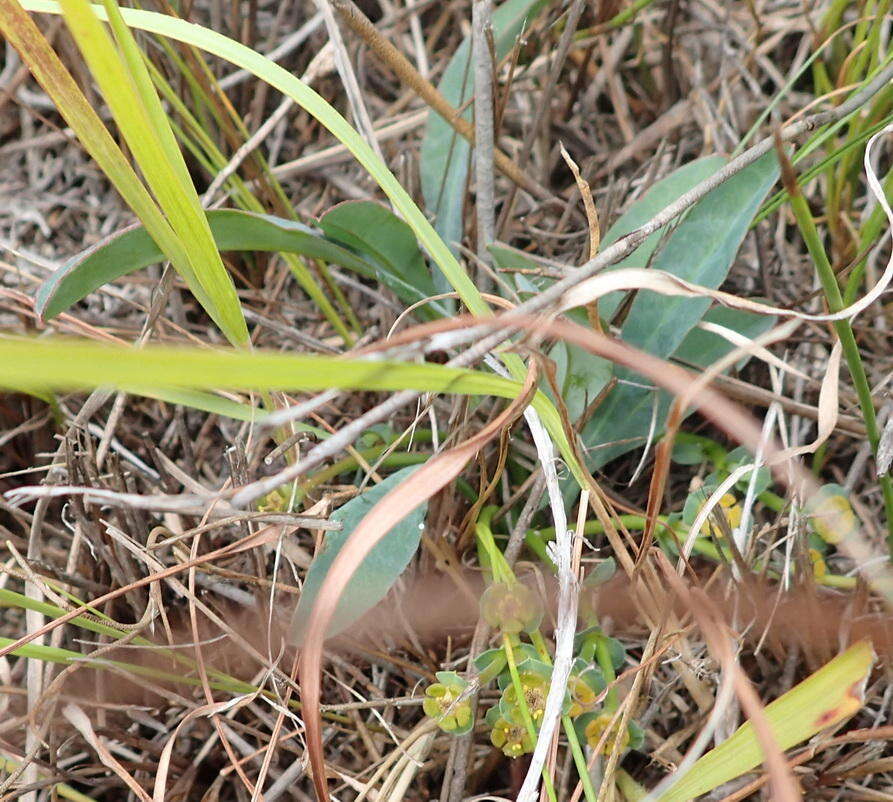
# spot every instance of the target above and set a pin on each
(233, 230)
(387, 243)
(377, 573)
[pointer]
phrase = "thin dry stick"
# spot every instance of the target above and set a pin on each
(34, 620)
(626, 245)
(359, 23)
(349, 78)
(623, 723)
(484, 140)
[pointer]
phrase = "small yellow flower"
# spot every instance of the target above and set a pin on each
(819, 568)
(443, 705)
(584, 688)
(596, 728)
(512, 739)
(729, 509)
(535, 688)
(273, 502)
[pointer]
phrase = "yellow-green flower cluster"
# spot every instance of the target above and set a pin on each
(444, 703)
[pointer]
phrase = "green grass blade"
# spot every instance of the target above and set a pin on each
(203, 148)
(73, 365)
(126, 86)
(20, 31)
(830, 695)
(46, 364)
(314, 104)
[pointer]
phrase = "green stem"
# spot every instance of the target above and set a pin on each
(243, 196)
(579, 759)
(396, 460)
(500, 570)
(525, 711)
(847, 340)
(616, 21)
(603, 655)
(536, 540)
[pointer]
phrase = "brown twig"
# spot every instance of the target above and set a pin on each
(360, 24)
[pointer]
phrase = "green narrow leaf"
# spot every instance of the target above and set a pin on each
(377, 573)
(73, 365)
(315, 105)
(127, 88)
(445, 155)
(830, 695)
(232, 230)
(701, 250)
(625, 414)
(660, 195)
(53, 654)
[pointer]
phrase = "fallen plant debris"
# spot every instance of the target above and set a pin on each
(445, 401)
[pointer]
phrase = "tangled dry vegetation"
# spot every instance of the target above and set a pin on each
(181, 685)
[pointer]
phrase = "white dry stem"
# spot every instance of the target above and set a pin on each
(349, 79)
(741, 340)
(284, 48)
(562, 555)
(567, 608)
(739, 535)
(397, 783)
(244, 150)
